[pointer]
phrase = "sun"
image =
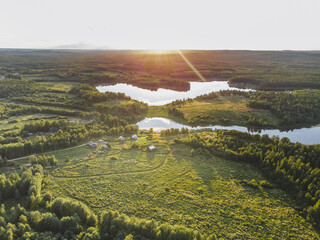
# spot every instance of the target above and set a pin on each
(160, 51)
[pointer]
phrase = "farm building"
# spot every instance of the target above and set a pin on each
(105, 147)
(92, 144)
(121, 138)
(134, 136)
(101, 141)
(151, 148)
(100, 152)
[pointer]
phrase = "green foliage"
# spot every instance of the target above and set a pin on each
(91, 95)
(17, 87)
(294, 167)
(43, 160)
(293, 107)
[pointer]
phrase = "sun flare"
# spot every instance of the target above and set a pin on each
(160, 51)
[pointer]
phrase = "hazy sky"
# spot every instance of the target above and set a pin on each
(163, 24)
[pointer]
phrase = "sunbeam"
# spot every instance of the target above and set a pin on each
(191, 66)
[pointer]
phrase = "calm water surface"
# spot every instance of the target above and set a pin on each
(163, 96)
(302, 135)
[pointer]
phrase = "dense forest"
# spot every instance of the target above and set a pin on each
(293, 107)
(258, 69)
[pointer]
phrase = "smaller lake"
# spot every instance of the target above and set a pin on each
(302, 135)
(164, 96)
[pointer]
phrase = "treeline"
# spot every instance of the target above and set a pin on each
(292, 166)
(70, 136)
(53, 100)
(91, 95)
(119, 226)
(11, 109)
(17, 87)
(26, 186)
(45, 125)
(277, 79)
(43, 217)
(124, 109)
(43, 160)
(91, 75)
(173, 131)
(153, 83)
(242, 80)
(222, 93)
(293, 107)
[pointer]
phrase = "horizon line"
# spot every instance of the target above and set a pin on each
(150, 49)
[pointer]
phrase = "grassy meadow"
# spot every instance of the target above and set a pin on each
(171, 184)
(231, 110)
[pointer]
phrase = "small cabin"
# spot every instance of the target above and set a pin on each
(105, 147)
(101, 141)
(151, 148)
(92, 144)
(134, 136)
(100, 152)
(121, 138)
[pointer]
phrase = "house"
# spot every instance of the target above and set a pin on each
(121, 138)
(135, 136)
(151, 148)
(92, 144)
(101, 141)
(105, 146)
(100, 152)
(2, 77)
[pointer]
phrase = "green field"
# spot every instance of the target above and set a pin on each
(59, 86)
(171, 185)
(221, 110)
(231, 110)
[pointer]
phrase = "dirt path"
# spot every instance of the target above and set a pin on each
(118, 173)
(105, 174)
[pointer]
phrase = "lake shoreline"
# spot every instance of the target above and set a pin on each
(305, 135)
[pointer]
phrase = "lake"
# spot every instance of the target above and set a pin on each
(163, 96)
(302, 135)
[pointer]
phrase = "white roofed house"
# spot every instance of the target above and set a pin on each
(121, 138)
(134, 136)
(101, 141)
(105, 146)
(151, 148)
